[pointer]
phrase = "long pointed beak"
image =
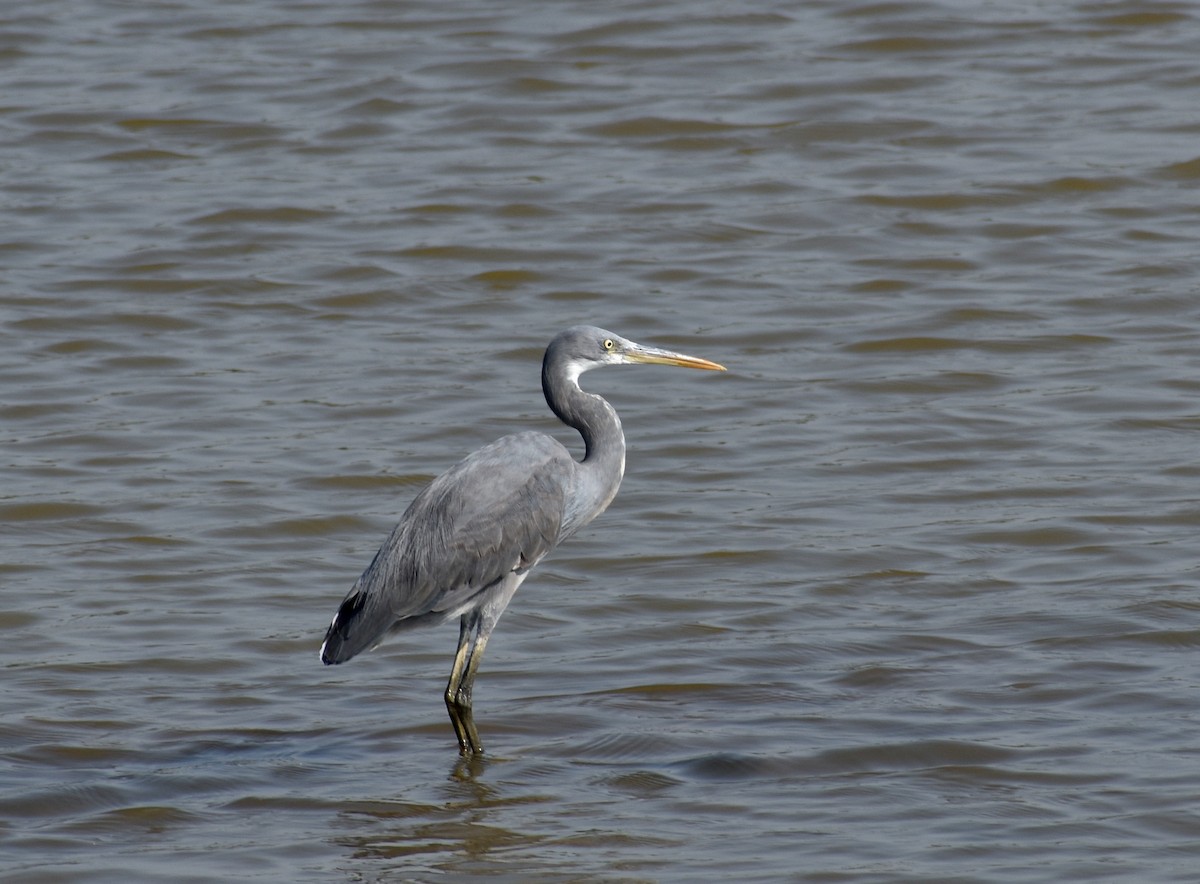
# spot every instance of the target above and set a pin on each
(655, 356)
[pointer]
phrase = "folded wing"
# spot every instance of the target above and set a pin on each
(497, 511)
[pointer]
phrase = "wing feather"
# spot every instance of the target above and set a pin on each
(497, 511)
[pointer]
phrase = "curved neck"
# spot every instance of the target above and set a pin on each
(603, 463)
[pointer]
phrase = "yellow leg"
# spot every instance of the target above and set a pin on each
(460, 661)
(467, 685)
(458, 690)
(463, 722)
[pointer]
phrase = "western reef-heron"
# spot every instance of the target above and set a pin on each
(469, 539)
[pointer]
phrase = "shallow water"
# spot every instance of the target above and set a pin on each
(908, 594)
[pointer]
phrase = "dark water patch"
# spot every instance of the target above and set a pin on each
(264, 215)
(154, 820)
(504, 280)
(1185, 170)
(944, 202)
(922, 756)
(624, 746)
(641, 783)
(143, 156)
(876, 677)
(726, 766)
(1142, 19)
(116, 320)
(65, 801)
(1058, 536)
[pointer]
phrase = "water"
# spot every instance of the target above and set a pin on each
(909, 594)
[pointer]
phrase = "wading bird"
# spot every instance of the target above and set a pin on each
(469, 539)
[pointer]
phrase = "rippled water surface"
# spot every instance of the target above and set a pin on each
(911, 593)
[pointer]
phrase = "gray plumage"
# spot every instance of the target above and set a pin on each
(468, 540)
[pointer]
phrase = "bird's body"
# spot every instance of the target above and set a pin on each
(468, 540)
(496, 513)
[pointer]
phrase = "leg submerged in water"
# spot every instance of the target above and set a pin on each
(459, 689)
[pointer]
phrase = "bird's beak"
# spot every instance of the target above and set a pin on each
(655, 356)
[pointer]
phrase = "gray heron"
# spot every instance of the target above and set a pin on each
(469, 539)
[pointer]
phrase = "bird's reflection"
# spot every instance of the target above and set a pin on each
(468, 768)
(459, 829)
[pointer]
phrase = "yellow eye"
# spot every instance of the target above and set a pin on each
(608, 344)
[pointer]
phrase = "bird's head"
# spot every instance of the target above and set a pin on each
(585, 347)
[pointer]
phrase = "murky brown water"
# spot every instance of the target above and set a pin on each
(912, 593)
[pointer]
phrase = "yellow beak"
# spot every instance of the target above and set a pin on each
(654, 356)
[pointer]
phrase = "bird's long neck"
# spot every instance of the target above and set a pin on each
(604, 454)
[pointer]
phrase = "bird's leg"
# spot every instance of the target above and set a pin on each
(461, 716)
(472, 669)
(458, 702)
(463, 723)
(460, 658)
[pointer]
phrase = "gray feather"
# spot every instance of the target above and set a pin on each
(497, 511)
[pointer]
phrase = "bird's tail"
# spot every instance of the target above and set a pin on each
(350, 631)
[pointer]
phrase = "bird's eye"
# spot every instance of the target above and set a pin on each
(608, 344)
